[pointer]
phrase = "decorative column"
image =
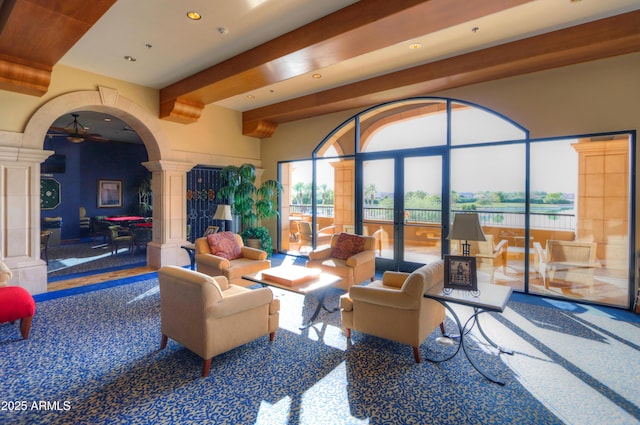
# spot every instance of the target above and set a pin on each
(344, 196)
(20, 212)
(169, 192)
(603, 200)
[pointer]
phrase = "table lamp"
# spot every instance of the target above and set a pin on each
(223, 212)
(466, 227)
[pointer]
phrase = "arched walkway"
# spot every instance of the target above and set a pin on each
(21, 206)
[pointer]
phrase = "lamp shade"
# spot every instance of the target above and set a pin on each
(466, 227)
(223, 212)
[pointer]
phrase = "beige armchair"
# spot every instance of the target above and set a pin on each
(395, 308)
(571, 261)
(489, 256)
(251, 260)
(209, 316)
(351, 257)
(5, 274)
(305, 234)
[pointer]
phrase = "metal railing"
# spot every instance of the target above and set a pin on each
(323, 210)
(538, 220)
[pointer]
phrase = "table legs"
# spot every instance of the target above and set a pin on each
(463, 330)
(320, 296)
(192, 256)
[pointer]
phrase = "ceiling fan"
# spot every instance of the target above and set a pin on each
(76, 132)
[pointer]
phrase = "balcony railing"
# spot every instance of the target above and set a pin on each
(538, 220)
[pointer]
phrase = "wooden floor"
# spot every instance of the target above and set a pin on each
(98, 278)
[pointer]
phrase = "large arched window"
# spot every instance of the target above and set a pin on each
(555, 212)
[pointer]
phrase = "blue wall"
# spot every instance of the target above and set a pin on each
(86, 163)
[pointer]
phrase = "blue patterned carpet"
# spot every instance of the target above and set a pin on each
(77, 259)
(94, 358)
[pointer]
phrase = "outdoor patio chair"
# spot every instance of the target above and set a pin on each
(569, 261)
(489, 256)
(305, 234)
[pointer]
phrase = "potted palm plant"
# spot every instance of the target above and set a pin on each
(250, 202)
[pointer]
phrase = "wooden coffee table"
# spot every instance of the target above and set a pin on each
(316, 284)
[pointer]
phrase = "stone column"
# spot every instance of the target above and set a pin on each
(168, 187)
(603, 200)
(344, 196)
(20, 212)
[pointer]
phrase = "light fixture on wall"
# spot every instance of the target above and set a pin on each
(466, 227)
(223, 212)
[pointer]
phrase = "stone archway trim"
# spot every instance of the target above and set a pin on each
(102, 100)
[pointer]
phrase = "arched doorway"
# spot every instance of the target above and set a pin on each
(23, 253)
(96, 155)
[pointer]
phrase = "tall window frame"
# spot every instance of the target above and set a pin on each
(348, 143)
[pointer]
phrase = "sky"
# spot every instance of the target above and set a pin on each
(554, 168)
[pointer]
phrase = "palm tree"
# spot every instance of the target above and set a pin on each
(370, 193)
(298, 188)
(322, 189)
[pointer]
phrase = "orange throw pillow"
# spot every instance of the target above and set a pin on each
(224, 245)
(347, 245)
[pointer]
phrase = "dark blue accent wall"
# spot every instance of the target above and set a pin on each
(86, 163)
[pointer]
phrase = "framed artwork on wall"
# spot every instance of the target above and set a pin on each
(109, 193)
(460, 273)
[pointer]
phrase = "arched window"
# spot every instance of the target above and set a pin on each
(402, 170)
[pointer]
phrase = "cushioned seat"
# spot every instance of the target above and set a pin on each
(224, 254)
(351, 257)
(16, 303)
(209, 316)
(395, 307)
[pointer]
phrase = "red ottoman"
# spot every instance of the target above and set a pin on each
(17, 303)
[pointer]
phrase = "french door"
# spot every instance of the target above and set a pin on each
(402, 202)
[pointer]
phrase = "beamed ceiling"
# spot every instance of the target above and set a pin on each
(360, 48)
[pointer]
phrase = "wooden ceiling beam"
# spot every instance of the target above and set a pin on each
(35, 34)
(357, 29)
(599, 39)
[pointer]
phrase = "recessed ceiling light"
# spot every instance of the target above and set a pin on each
(129, 58)
(414, 46)
(250, 96)
(222, 30)
(317, 76)
(193, 15)
(107, 119)
(475, 30)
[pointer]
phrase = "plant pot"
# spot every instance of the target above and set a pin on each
(254, 243)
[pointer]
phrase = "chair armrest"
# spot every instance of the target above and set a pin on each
(395, 279)
(253, 253)
(320, 254)
(384, 297)
(240, 302)
(361, 258)
(539, 252)
(213, 261)
(504, 244)
(328, 229)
